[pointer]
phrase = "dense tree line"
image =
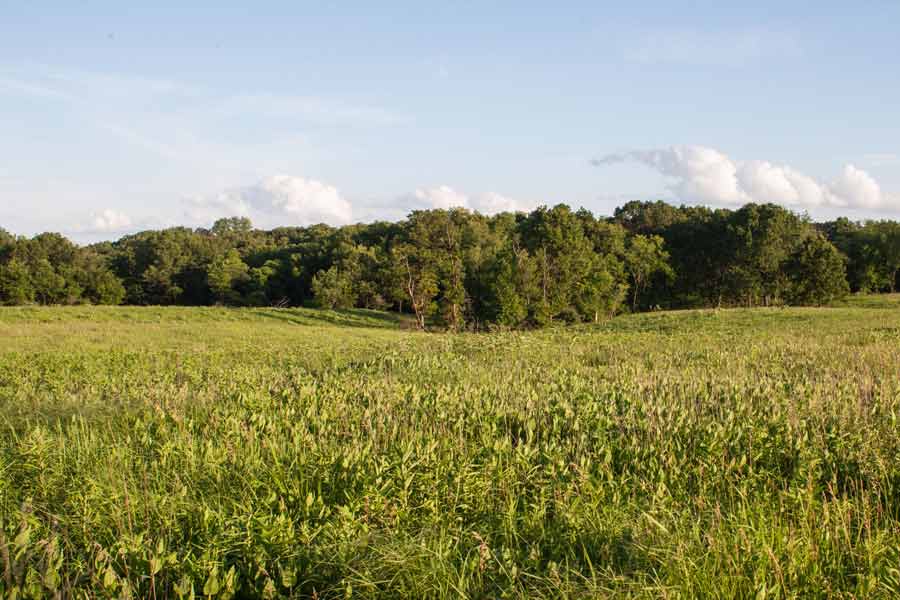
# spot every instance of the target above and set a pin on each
(49, 269)
(457, 269)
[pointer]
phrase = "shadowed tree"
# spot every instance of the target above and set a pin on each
(644, 258)
(225, 274)
(817, 272)
(884, 238)
(333, 289)
(15, 283)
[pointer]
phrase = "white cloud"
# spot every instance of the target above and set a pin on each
(109, 220)
(706, 175)
(764, 182)
(275, 201)
(105, 224)
(445, 197)
(491, 203)
(857, 189)
(441, 197)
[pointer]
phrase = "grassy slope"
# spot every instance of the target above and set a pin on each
(291, 451)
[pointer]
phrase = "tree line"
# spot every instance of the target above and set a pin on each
(457, 269)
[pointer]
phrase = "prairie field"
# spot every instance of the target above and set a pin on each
(212, 452)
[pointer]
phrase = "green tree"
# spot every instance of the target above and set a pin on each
(333, 289)
(15, 283)
(601, 292)
(644, 258)
(49, 286)
(648, 218)
(563, 257)
(884, 239)
(232, 227)
(762, 237)
(7, 245)
(166, 267)
(102, 287)
(224, 276)
(817, 272)
(512, 288)
(418, 279)
(261, 288)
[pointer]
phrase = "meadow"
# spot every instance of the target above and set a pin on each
(227, 453)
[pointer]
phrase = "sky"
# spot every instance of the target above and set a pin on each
(117, 117)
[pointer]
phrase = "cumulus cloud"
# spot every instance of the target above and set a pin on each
(857, 189)
(275, 201)
(441, 197)
(109, 220)
(488, 203)
(706, 175)
(491, 203)
(105, 224)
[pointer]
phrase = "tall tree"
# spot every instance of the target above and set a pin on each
(418, 279)
(763, 237)
(816, 270)
(333, 289)
(225, 275)
(15, 283)
(645, 256)
(884, 237)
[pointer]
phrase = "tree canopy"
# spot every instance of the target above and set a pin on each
(455, 269)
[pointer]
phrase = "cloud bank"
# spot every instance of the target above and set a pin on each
(488, 203)
(110, 220)
(706, 175)
(283, 200)
(275, 201)
(442, 197)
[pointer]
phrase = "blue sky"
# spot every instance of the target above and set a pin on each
(116, 117)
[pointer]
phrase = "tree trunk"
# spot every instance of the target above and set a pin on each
(634, 295)
(411, 290)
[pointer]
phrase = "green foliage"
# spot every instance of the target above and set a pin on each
(175, 452)
(333, 289)
(872, 250)
(512, 289)
(7, 245)
(232, 227)
(457, 270)
(817, 273)
(644, 258)
(15, 283)
(418, 278)
(764, 237)
(50, 287)
(226, 275)
(601, 291)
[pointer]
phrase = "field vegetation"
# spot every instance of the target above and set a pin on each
(210, 452)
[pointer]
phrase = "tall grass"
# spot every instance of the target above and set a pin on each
(177, 453)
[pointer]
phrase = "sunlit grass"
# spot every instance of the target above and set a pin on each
(170, 452)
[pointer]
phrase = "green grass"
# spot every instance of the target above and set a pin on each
(152, 452)
(891, 301)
